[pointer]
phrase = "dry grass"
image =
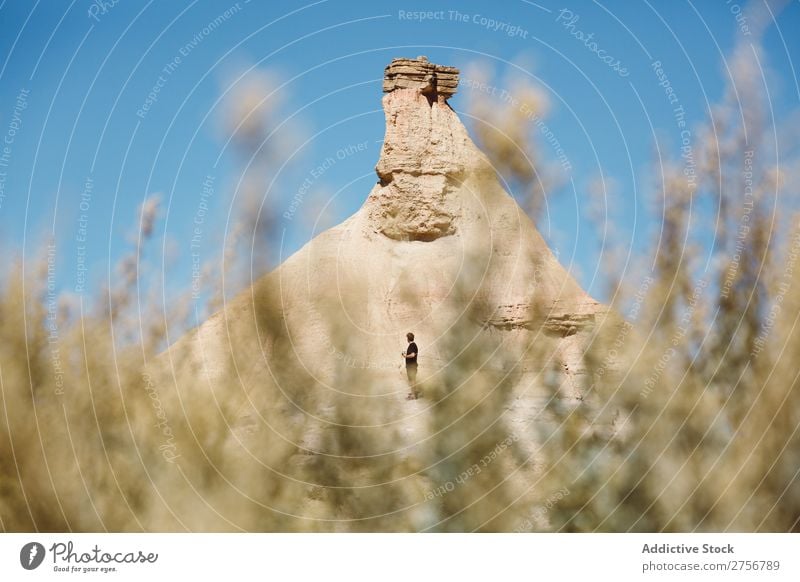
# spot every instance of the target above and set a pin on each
(689, 419)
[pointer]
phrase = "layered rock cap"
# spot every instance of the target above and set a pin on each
(436, 81)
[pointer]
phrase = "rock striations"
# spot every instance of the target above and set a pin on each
(435, 81)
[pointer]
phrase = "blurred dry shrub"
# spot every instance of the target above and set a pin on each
(687, 419)
(508, 122)
(703, 394)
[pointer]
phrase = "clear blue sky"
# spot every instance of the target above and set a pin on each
(84, 71)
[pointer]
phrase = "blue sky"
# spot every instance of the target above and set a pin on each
(75, 79)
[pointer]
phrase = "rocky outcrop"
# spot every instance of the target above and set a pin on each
(437, 82)
(552, 322)
(425, 157)
(437, 216)
(438, 248)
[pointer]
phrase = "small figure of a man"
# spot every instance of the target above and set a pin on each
(410, 356)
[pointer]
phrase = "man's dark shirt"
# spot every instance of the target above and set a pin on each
(412, 349)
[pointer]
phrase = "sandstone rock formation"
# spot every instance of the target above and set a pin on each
(435, 81)
(438, 248)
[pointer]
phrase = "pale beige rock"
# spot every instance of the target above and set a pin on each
(438, 244)
(435, 81)
(437, 212)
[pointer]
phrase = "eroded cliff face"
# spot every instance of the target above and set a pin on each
(434, 183)
(426, 154)
(437, 241)
(438, 248)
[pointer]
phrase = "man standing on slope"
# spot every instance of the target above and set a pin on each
(410, 356)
